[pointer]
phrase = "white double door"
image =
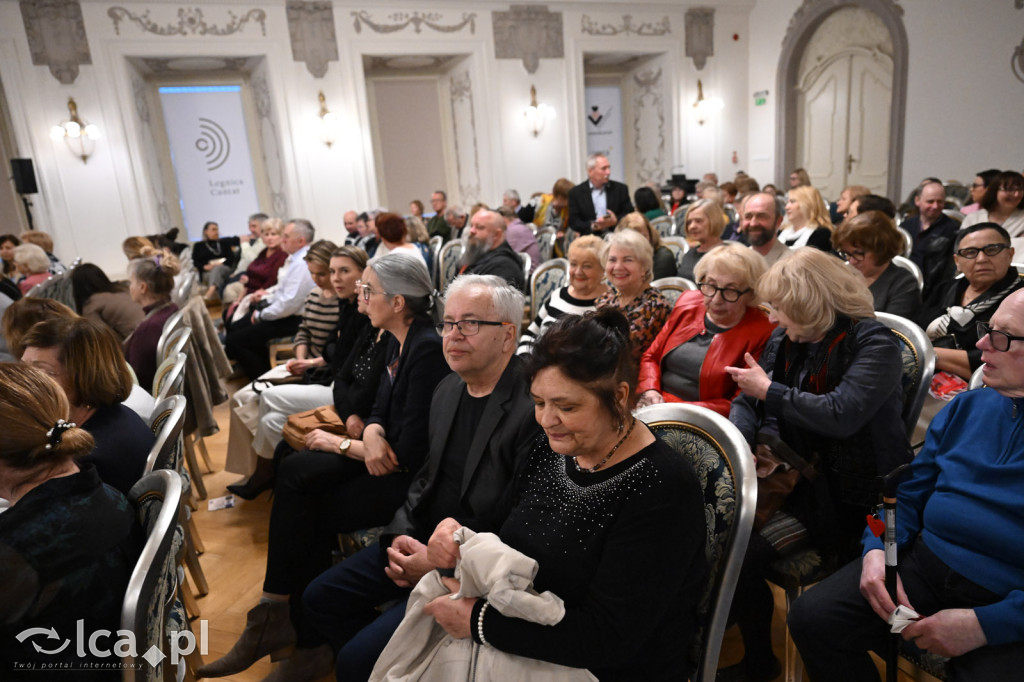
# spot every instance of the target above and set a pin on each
(843, 121)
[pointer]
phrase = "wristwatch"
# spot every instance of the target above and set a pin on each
(344, 445)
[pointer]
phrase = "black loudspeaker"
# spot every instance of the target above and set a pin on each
(24, 176)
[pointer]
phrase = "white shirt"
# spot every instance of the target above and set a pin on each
(293, 285)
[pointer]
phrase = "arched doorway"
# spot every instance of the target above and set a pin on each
(851, 70)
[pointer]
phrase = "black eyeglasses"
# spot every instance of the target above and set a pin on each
(465, 327)
(990, 250)
(1000, 340)
(728, 294)
(852, 255)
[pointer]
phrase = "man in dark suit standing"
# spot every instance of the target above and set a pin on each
(595, 206)
(481, 430)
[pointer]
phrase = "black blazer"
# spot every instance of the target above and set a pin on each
(581, 204)
(499, 449)
(402, 405)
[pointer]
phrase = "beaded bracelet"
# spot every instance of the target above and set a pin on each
(480, 623)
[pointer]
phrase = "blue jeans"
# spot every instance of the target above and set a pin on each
(834, 627)
(341, 604)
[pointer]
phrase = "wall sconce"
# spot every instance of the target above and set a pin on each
(537, 115)
(706, 106)
(78, 135)
(329, 126)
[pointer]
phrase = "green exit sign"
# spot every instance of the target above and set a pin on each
(759, 101)
(760, 97)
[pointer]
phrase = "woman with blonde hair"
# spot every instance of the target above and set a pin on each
(133, 246)
(703, 223)
(807, 220)
(708, 330)
(828, 387)
(629, 261)
(664, 263)
(262, 271)
(69, 542)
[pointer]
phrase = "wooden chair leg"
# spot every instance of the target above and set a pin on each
(193, 533)
(185, 593)
(193, 470)
(205, 454)
(194, 567)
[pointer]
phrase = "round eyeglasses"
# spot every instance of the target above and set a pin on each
(729, 295)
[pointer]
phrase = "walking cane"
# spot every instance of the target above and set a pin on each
(890, 483)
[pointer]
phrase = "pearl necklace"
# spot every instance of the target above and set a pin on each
(608, 456)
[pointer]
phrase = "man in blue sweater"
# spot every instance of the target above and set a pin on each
(960, 532)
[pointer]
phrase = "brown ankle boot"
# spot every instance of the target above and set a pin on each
(268, 630)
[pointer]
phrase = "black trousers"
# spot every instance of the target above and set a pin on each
(247, 342)
(834, 627)
(316, 496)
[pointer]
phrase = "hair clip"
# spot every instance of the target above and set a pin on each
(156, 259)
(57, 432)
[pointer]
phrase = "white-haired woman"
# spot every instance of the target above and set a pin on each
(32, 264)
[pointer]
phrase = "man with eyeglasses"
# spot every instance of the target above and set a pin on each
(481, 429)
(959, 527)
(933, 233)
(950, 315)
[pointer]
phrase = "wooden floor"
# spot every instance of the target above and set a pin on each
(235, 558)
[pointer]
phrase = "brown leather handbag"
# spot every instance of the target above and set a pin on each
(299, 425)
(779, 469)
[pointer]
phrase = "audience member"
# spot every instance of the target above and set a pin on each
(32, 265)
(983, 254)
(678, 197)
(828, 386)
(846, 197)
(437, 224)
(596, 501)
(872, 202)
(664, 260)
(262, 270)
(342, 484)
(103, 301)
(759, 223)
(552, 210)
(707, 331)
(489, 253)
(416, 209)
(1003, 204)
(520, 237)
(597, 204)
(393, 234)
(799, 178)
(7, 244)
(807, 221)
(628, 267)
(69, 543)
(586, 270)
(133, 246)
(868, 242)
(252, 245)
(86, 360)
(23, 314)
(152, 279)
(933, 233)
(648, 204)
(456, 218)
(981, 182)
(955, 516)
(215, 258)
(510, 199)
(246, 340)
(703, 223)
(45, 242)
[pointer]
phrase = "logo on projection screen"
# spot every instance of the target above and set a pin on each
(214, 143)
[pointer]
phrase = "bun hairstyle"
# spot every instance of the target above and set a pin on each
(132, 247)
(156, 269)
(594, 351)
(24, 313)
(30, 405)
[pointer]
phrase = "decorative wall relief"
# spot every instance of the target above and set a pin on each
(154, 170)
(418, 20)
(190, 22)
(311, 29)
(816, 7)
(528, 32)
(649, 126)
(627, 27)
(270, 147)
(700, 35)
(56, 36)
(467, 157)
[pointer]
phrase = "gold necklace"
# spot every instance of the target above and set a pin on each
(608, 456)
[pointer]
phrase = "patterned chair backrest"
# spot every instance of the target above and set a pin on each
(918, 365)
(167, 423)
(547, 279)
(678, 216)
(664, 225)
(170, 376)
(434, 245)
(176, 342)
(721, 459)
(170, 326)
(678, 247)
(152, 588)
(449, 257)
(673, 287)
(185, 290)
(546, 243)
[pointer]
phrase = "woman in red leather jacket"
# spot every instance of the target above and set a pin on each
(707, 331)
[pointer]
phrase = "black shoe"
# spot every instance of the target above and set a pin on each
(252, 488)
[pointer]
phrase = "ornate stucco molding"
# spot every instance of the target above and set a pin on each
(627, 27)
(191, 21)
(650, 158)
(469, 175)
(528, 32)
(700, 35)
(311, 29)
(56, 36)
(401, 20)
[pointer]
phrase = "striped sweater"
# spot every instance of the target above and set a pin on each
(560, 303)
(319, 317)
